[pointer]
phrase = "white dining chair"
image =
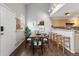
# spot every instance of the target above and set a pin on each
(28, 39)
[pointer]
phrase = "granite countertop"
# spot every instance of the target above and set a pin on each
(73, 28)
(65, 29)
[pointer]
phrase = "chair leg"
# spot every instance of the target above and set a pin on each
(57, 43)
(42, 50)
(33, 50)
(63, 44)
(25, 43)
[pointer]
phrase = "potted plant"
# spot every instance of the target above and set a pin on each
(27, 31)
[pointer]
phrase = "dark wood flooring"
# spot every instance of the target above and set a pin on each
(51, 51)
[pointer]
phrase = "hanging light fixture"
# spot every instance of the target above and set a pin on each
(67, 14)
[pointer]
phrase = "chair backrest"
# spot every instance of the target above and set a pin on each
(37, 41)
(50, 35)
(33, 40)
(54, 36)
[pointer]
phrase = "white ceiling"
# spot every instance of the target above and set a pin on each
(19, 8)
(72, 8)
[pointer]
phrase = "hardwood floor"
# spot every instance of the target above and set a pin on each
(51, 51)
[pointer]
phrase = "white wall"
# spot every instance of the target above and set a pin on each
(36, 12)
(19, 9)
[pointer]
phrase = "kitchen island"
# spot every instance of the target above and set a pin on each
(73, 34)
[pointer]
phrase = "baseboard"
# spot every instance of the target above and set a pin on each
(15, 51)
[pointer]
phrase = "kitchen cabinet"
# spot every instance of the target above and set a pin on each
(77, 41)
(59, 23)
(62, 22)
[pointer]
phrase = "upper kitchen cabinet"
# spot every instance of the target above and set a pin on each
(59, 23)
(64, 22)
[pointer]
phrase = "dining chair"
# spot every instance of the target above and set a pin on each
(28, 42)
(46, 40)
(33, 43)
(37, 44)
(45, 44)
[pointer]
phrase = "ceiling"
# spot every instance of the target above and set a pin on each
(72, 8)
(19, 8)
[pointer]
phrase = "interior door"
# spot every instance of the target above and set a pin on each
(8, 33)
(0, 32)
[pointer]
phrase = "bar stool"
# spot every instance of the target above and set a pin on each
(50, 35)
(65, 43)
(54, 38)
(50, 39)
(58, 38)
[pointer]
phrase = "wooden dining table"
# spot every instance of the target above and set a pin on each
(38, 37)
